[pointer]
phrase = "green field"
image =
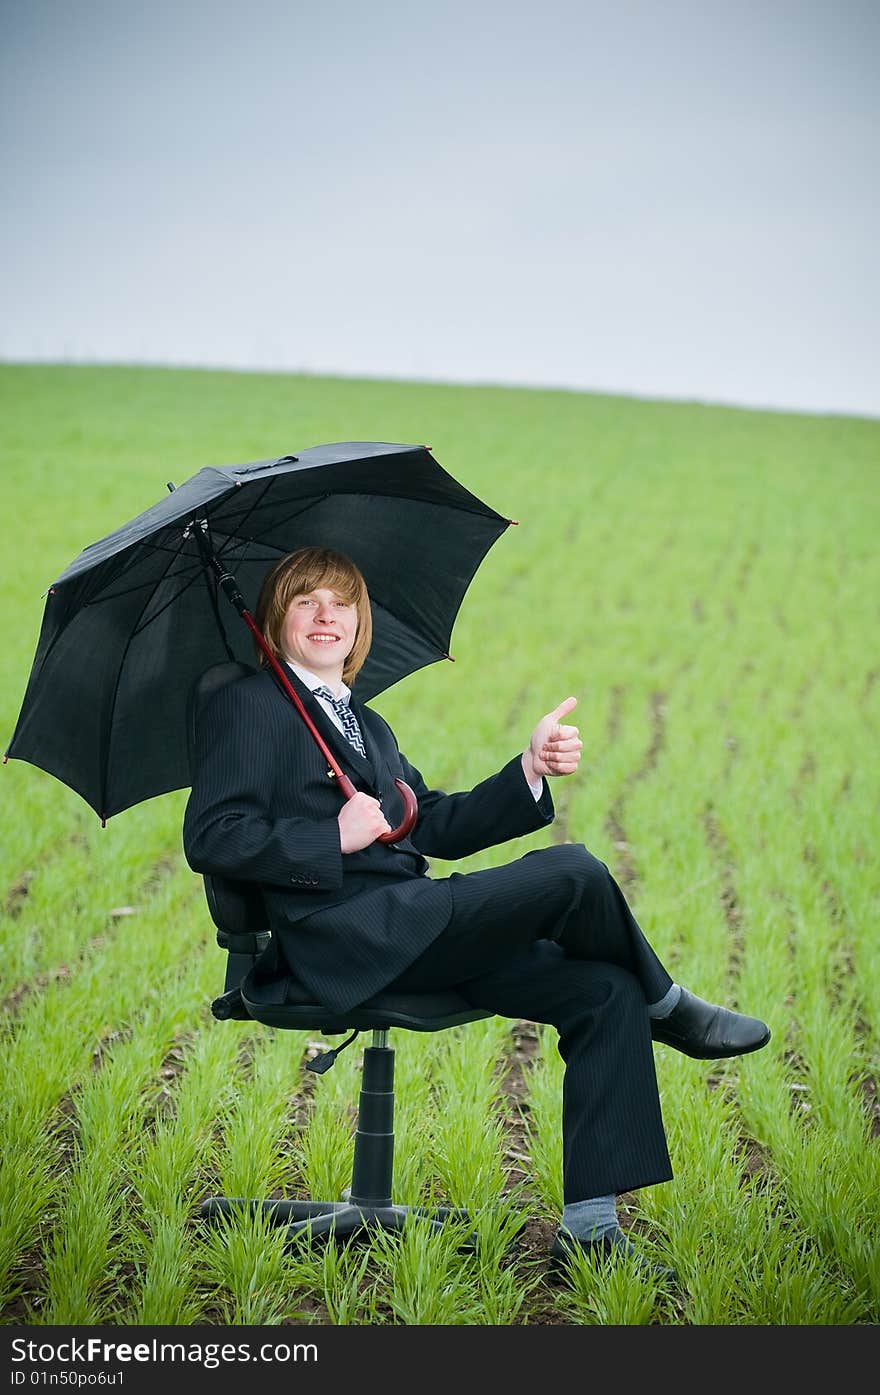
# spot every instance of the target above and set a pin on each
(706, 581)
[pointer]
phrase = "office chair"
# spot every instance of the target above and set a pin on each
(237, 911)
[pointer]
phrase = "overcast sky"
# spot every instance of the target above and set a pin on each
(673, 199)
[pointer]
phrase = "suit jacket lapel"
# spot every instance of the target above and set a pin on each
(337, 741)
(376, 756)
(385, 775)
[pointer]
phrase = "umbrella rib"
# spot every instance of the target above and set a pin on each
(143, 624)
(241, 517)
(237, 517)
(107, 726)
(214, 596)
(138, 629)
(130, 590)
(441, 646)
(198, 571)
(246, 544)
(149, 545)
(192, 569)
(191, 580)
(276, 522)
(97, 600)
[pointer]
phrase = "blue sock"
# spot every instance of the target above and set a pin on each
(667, 1003)
(591, 1219)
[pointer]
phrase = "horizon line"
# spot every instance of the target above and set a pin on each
(671, 399)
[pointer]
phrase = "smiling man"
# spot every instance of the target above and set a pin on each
(547, 938)
(319, 631)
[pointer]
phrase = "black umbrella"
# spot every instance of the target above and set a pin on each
(139, 615)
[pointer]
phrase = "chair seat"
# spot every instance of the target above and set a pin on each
(418, 1012)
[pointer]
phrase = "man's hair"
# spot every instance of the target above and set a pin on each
(301, 572)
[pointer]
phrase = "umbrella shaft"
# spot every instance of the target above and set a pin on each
(228, 584)
(345, 784)
(230, 589)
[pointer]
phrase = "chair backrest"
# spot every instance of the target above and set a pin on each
(205, 686)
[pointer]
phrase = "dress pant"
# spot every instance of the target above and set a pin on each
(550, 938)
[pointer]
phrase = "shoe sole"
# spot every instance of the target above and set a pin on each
(716, 1055)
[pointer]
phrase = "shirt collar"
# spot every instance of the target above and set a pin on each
(312, 681)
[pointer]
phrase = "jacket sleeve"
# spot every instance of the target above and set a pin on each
(501, 807)
(229, 826)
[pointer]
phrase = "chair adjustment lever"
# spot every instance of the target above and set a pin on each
(326, 1059)
(230, 1004)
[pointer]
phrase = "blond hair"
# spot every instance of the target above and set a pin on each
(300, 573)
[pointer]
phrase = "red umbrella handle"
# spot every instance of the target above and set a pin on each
(410, 814)
(410, 803)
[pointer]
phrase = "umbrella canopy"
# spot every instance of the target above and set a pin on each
(137, 617)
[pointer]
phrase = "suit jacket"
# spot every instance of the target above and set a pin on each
(264, 807)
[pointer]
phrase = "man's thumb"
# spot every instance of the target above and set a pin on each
(563, 708)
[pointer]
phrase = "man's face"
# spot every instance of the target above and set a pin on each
(319, 631)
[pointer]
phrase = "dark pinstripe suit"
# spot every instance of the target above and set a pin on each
(548, 938)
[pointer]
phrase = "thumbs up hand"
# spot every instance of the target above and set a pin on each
(554, 749)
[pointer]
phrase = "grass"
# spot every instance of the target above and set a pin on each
(704, 579)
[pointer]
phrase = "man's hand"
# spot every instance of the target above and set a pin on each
(360, 822)
(553, 749)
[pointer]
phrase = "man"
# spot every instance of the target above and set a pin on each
(548, 937)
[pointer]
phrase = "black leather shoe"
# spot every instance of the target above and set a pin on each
(706, 1031)
(604, 1251)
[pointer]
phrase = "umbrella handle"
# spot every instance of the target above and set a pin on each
(410, 803)
(410, 814)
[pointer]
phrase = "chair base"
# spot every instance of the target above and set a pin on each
(316, 1220)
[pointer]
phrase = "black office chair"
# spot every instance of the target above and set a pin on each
(238, 913)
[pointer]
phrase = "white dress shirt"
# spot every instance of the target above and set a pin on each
(312, 682)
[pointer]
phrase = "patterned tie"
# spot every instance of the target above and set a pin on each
(346, 716)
